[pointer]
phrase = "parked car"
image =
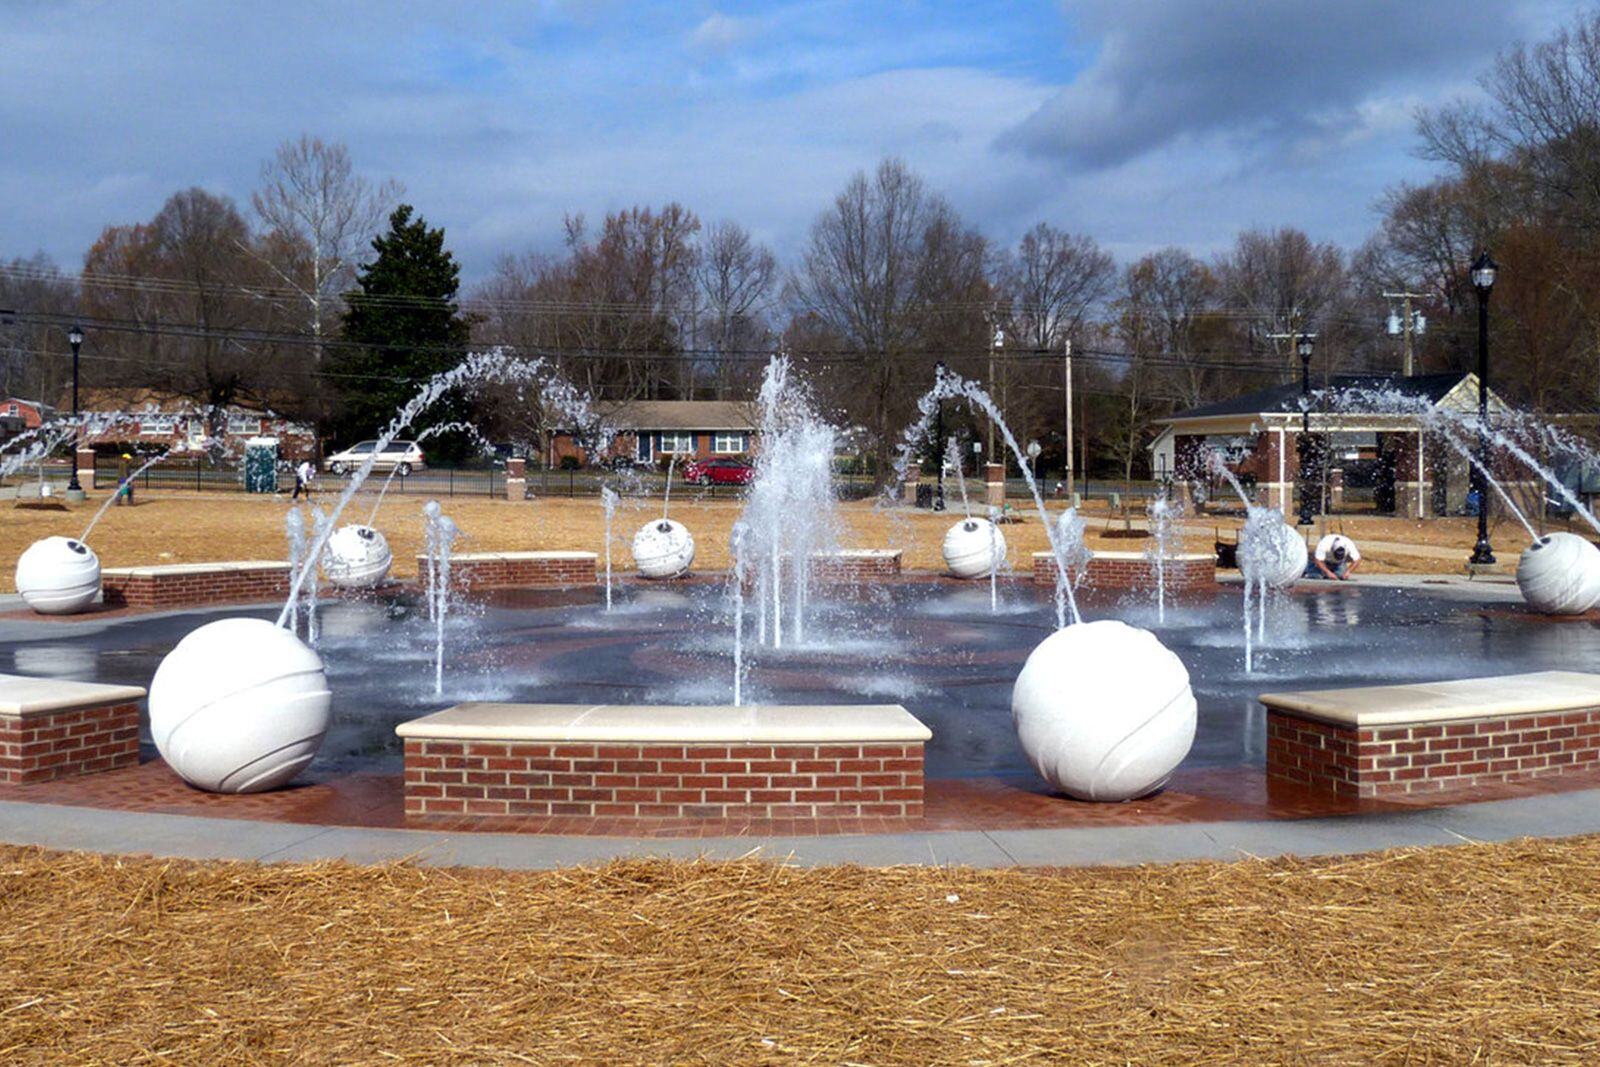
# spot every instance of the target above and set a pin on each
(403, 457)
(728, 470)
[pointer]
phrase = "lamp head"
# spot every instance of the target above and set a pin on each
(75, 336)
(1484, 269)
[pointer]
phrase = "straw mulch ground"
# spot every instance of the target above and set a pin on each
(171, 526)
(1471, 954)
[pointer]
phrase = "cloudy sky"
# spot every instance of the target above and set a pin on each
(1141, 122)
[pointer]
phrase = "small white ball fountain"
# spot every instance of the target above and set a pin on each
(1281, 560)
(663, 548)
(357, 557)
(239, 706)
(1104, 711)
(58, 576)
(973, 548)
(1559, 574)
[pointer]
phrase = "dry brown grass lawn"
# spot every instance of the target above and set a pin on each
(180, 527)
(1475, 954)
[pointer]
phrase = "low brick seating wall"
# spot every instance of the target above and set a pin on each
(856, 565)
(1133, 570)
(182, 584)
(668, 762)
(1389, 740)
(526, 570)
(54, 729)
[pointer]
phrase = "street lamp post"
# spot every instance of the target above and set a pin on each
(1303, 345)
(938, 434)
(1483, 272)
(75, 338)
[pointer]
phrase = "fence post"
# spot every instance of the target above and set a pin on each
(571, 483)
(452, 482)
(197, 474)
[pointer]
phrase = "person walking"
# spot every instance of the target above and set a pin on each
(304, 475)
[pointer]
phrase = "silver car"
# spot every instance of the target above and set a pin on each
(402, 457)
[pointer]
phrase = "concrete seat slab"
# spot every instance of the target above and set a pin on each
(671, 724)
(164, 570)
(22, 696)
(1445, 701)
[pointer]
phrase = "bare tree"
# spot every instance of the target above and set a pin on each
(33, 361)
(893, 275)
(1051, 282)
(736, 277)
(1167, 309)
(1284, 282)
(319, 216)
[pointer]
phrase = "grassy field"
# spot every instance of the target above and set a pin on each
(1474, 954)
(173, 526)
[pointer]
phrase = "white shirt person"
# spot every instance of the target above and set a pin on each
(1336, 557)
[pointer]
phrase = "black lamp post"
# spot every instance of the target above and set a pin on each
(1483, 272)
(75, 338)
(938, 433)
(1303, 345)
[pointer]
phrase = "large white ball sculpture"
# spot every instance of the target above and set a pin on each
(357, 557)
(239, 706)
(1281, 561)
(58, 576)
(1559, 574)
(1104, 711)
(973, 548)
(663, 548)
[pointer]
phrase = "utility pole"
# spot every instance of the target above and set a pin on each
(997, 338)
(1071, 483)
(1409, 323)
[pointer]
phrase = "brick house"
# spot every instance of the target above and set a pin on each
(649, 429)
(18, 415)
(155, 421)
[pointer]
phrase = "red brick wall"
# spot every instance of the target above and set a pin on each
(1181, 574)
(37, 748)
(197, 587)
(520, 573)
(1391, 760)
(855, 570)
(712, 781)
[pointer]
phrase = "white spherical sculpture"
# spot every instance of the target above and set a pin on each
(357, 557)
(58, 576)
(973, 548)
(239, 706)
(663, 549)
(1104, 711)
(1559, 574)
(1279, 561)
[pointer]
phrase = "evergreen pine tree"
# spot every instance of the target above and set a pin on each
(406, 327)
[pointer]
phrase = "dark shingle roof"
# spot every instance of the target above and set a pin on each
(1286, 397)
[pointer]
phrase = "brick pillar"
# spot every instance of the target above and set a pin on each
(994, 480)
(1413, 482)
(516, 479)
(1336, 489)
(1277, 469)
(85, 462)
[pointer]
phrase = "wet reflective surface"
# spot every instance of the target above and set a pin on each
(933, 647)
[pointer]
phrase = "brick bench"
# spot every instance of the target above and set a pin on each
(526, 570)
(854, 566)
(670, 762)
(1185, 571)
(1388, 740)
(182, 584)
(56, 729)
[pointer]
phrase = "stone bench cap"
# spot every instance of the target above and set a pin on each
(859, 553)
(22, 696)
(670, 723)
(1446, 701)
(1138, 557)
(495, 557)
(163, 570)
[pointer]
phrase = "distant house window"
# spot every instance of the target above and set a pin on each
(244, 424)
(729, 442)
(674, 441)
(162, 425)
(11, 409)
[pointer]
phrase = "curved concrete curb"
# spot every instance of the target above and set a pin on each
(194, 837)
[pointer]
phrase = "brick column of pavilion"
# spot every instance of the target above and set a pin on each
(1413, 478)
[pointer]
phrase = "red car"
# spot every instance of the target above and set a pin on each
(725, 471)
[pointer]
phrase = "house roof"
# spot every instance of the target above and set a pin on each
(150, 401)
(1279, 399)
(682, 415)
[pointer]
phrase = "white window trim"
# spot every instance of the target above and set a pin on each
(741, 439)
(158, 424)
(676, 443)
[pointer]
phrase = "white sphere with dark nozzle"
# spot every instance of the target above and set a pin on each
(663, 548)
(1559, 574)
(1104, 711)
(239, 706)
(357, 557)
(973, 548)
(1276, 555)
(58, 576)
